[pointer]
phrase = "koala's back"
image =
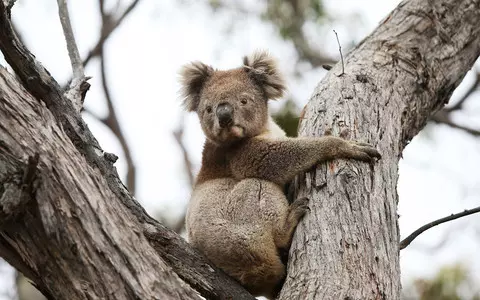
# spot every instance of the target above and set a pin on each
(232, 223)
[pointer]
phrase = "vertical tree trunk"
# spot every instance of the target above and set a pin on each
(347, 246)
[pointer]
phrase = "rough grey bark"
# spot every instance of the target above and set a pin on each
(66, 220)
(347, 247)
(76, 240)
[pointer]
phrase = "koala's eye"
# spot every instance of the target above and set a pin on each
(243, 101)
(209, 109)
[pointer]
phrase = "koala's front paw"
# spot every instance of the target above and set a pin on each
(299, 207)
(363, 151)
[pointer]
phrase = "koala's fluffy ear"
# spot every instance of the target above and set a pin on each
(262, 68)
(192, 78)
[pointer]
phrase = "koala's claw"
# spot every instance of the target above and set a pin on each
(300, 206)
(365, 152)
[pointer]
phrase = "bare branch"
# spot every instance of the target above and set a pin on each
(443, 117)
(470, 91)
(107, 30)
(78, 86)
(178, 135)
(112, 122)
(406, 241)
(179, 225)
(341, 55)
(75, 60)
(442, 241)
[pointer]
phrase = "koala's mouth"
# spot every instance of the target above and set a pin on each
(237, 131)
(234, 131)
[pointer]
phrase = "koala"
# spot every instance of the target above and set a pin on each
(238, 215)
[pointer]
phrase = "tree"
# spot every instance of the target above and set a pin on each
(61, 198)
(393, 81)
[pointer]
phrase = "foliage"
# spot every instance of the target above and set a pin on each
(290, 15)
(287, 118)
(452, 282)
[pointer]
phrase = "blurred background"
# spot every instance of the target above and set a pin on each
(134, 49)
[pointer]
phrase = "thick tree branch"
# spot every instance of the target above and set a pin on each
(17, 189)
(394, 80)
(406, 241)
(82, 226)
(33, 76)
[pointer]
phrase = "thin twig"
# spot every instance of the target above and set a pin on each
(473, 88)
(178, 135)
(341, 55)
(443, 117)
(179, 225)
(111, 121)
(406, 241)
(77, 65)
(107, 30)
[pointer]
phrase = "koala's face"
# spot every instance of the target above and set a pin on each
(232, 105)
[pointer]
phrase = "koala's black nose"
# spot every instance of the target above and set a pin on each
(224, 114)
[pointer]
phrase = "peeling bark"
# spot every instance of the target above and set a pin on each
(347, 247)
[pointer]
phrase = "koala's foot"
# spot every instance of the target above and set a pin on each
(298, 209)
(362, 151)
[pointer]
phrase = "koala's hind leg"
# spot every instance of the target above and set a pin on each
(248, 254)
(266, 275)
(285, 232)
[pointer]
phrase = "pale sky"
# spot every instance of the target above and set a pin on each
(439, 173)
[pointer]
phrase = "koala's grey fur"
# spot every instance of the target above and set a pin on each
(239, 216)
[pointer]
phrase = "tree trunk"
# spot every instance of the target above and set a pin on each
(347, 246)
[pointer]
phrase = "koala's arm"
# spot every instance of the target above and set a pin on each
(280, 160)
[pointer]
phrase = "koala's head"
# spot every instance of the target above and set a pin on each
(232, 104)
